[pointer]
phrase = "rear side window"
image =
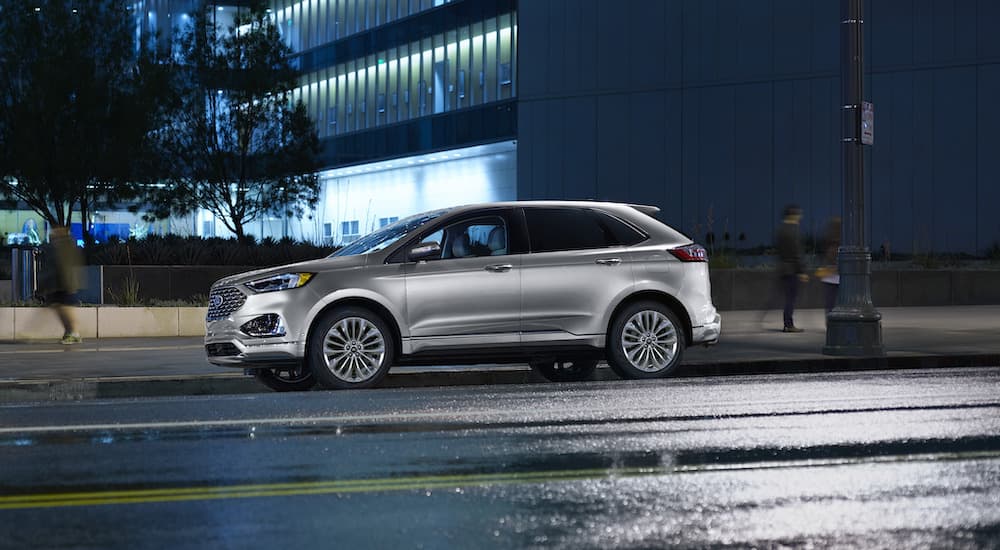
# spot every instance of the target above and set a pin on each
(553, 229)
(623, 234)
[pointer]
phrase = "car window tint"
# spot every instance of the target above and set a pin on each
(474, 238)
(622, 233)
(552, 229)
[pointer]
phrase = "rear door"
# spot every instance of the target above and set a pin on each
(578, 265)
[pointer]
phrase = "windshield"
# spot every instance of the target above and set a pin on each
(373, 242)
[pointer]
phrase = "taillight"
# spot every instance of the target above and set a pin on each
(690, 253)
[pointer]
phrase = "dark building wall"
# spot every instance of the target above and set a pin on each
(722, 111)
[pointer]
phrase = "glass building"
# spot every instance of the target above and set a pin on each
(413, 101)
(720, 113)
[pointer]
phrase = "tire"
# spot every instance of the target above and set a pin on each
(351, 348)
(645, 341)
(566, 371)
(294, 378)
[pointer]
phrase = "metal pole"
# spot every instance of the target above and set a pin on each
(15, 274)
(854, 326)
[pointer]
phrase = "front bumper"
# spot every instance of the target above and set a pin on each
(709, 333)
(228, 346)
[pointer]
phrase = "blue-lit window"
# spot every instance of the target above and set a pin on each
(306, 24)
(349, 228)
(469, 66)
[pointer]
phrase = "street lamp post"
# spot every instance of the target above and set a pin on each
(854, 326)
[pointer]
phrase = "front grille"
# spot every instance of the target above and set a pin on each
(221, 350)
(224, 301)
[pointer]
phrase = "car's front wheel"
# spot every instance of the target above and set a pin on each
(566, 371)
(291, 378)
(350, 347)
(645, 341)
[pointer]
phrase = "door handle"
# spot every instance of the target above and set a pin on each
(498, 268)
(608, 261)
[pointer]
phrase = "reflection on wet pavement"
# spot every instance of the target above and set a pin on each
(911, 461)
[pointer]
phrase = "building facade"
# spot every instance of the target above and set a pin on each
(720, 112)
(414, 102)
(723, 111)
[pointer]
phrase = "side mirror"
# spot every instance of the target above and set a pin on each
(425, 251)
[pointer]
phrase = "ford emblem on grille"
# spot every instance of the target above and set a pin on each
(224, 301)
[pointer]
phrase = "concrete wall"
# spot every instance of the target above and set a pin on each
(41, 323)
(722, 111)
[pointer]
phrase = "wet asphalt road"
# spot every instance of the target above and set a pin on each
(869, 460)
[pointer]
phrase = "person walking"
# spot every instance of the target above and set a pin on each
(67, 259)
(828, 273)
(790, 267)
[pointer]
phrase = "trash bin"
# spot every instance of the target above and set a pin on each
(23, 271)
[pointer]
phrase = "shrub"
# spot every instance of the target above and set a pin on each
(128, 294)
(175, 250)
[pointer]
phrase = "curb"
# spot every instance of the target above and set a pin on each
(21, 391)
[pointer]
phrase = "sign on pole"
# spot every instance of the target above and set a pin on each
(867, 123)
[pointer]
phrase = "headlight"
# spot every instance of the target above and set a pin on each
(284, 281)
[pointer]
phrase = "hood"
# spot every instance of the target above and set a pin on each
(313, 266)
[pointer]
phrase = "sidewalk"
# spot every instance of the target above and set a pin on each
(118, 367)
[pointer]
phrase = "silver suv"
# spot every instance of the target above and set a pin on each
(559, 285)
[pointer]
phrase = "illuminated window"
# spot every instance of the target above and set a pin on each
(470, 66)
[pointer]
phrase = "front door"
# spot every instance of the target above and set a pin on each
(470, 295)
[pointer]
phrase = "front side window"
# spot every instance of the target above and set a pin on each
(475, 238)
(554, 229)
(469, 238)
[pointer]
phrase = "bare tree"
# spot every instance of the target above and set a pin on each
(238, 146)
(78, 98)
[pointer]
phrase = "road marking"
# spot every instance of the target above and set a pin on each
(425, 483)
(139, 496)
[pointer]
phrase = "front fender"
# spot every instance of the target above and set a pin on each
(358, 294)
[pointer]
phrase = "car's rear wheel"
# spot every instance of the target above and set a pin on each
(645, 341)
(290, 378)
(566, 371)
(350, 347)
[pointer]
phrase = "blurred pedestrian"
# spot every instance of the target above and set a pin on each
(67, 262)
(30, 229)
(791, 268)
(885, 252)
(828, 273)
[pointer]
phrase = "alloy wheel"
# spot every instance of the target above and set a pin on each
(649, 340)
(354, 349)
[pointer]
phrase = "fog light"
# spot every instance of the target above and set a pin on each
(265, 325)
